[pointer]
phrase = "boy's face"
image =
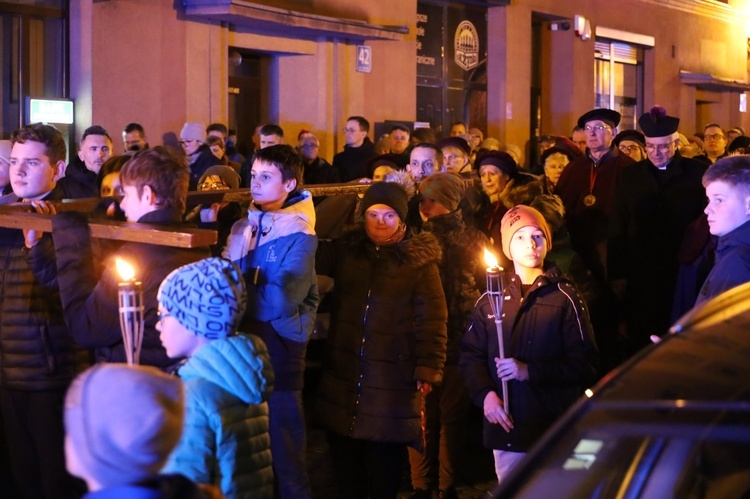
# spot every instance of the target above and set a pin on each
(32, 175)
(728, 207)
(528, 247)
(177, 340)
(136, 206)
(268, 187)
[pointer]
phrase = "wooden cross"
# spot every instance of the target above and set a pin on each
(16, 216)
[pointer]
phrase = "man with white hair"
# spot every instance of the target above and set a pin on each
(317, 169)
(656, 199)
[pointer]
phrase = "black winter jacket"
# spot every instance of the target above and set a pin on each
(387, 333)
(549, 330)
(461, 273)
(90, 301)
(36, 350)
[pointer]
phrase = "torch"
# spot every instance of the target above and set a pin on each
(495, 296)
(130, 297)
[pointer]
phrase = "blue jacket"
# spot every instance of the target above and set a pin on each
(225, 441)
(732, 266)
(276, 252)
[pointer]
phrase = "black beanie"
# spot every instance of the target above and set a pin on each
(389, 194)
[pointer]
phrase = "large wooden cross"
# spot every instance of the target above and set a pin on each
(17, 216)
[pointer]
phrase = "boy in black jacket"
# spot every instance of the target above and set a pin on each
(550, 353)
(155, 184)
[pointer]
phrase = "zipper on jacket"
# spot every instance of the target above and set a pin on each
(362, 354)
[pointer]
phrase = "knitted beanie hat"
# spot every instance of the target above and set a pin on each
(208, 297)
(518, 217)
(389, 194)
(193, 131)
(445, 188)
(123, 421)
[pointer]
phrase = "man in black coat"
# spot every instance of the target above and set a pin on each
(351, 163)
(656, 200)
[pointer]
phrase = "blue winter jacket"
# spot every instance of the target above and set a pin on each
(276, 252)
(225, 441)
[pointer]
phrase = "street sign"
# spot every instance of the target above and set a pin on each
(50, 111)
(364, 58)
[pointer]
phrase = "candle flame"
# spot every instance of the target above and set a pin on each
(126, 271)
(490, 259)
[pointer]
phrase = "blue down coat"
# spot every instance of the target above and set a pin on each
(225, 441)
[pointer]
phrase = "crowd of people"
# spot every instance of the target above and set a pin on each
(599, 247)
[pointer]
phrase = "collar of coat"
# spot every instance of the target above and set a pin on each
(415, 250)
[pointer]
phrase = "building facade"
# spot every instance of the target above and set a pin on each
(516, 69)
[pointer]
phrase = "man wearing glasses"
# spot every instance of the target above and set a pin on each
(655, 201)
(587, 187)
(714, 144)
(351, 163)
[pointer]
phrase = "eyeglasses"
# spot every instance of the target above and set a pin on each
(627, 149)
(450, 158)
(658, 147)
(351, 130)
(162, 314)
(716, 136)
(212, 186)
(308, 146)
(598, 128)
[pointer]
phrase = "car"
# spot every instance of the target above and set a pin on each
(673, 422)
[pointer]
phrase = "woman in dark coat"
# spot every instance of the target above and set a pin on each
(386, 346)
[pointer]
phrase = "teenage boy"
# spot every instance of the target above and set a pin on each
(727, 184)
(39, 356)
(275, 248)
(121, 423)
(228, 378)
(154, 184)
(550, 353)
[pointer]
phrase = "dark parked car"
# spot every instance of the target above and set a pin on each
(674, 422)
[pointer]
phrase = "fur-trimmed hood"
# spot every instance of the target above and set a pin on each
(415, 250)
(521, 189)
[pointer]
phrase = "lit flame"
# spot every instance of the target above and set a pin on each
(589, 393)
(126, 271)
(490, 259)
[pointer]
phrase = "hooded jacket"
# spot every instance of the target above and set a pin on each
(225, 441)
(549, 330)
(732, 266)
(387, 332)
(276, 252)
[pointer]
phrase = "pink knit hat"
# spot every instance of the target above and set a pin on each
(518, 217)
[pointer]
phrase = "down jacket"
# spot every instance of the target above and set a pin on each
(276, 252)
(549, 330)
(37, 351)
(91, 303)
(225, 441)
(387, 332)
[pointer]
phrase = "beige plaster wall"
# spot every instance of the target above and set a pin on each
(701, 44)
